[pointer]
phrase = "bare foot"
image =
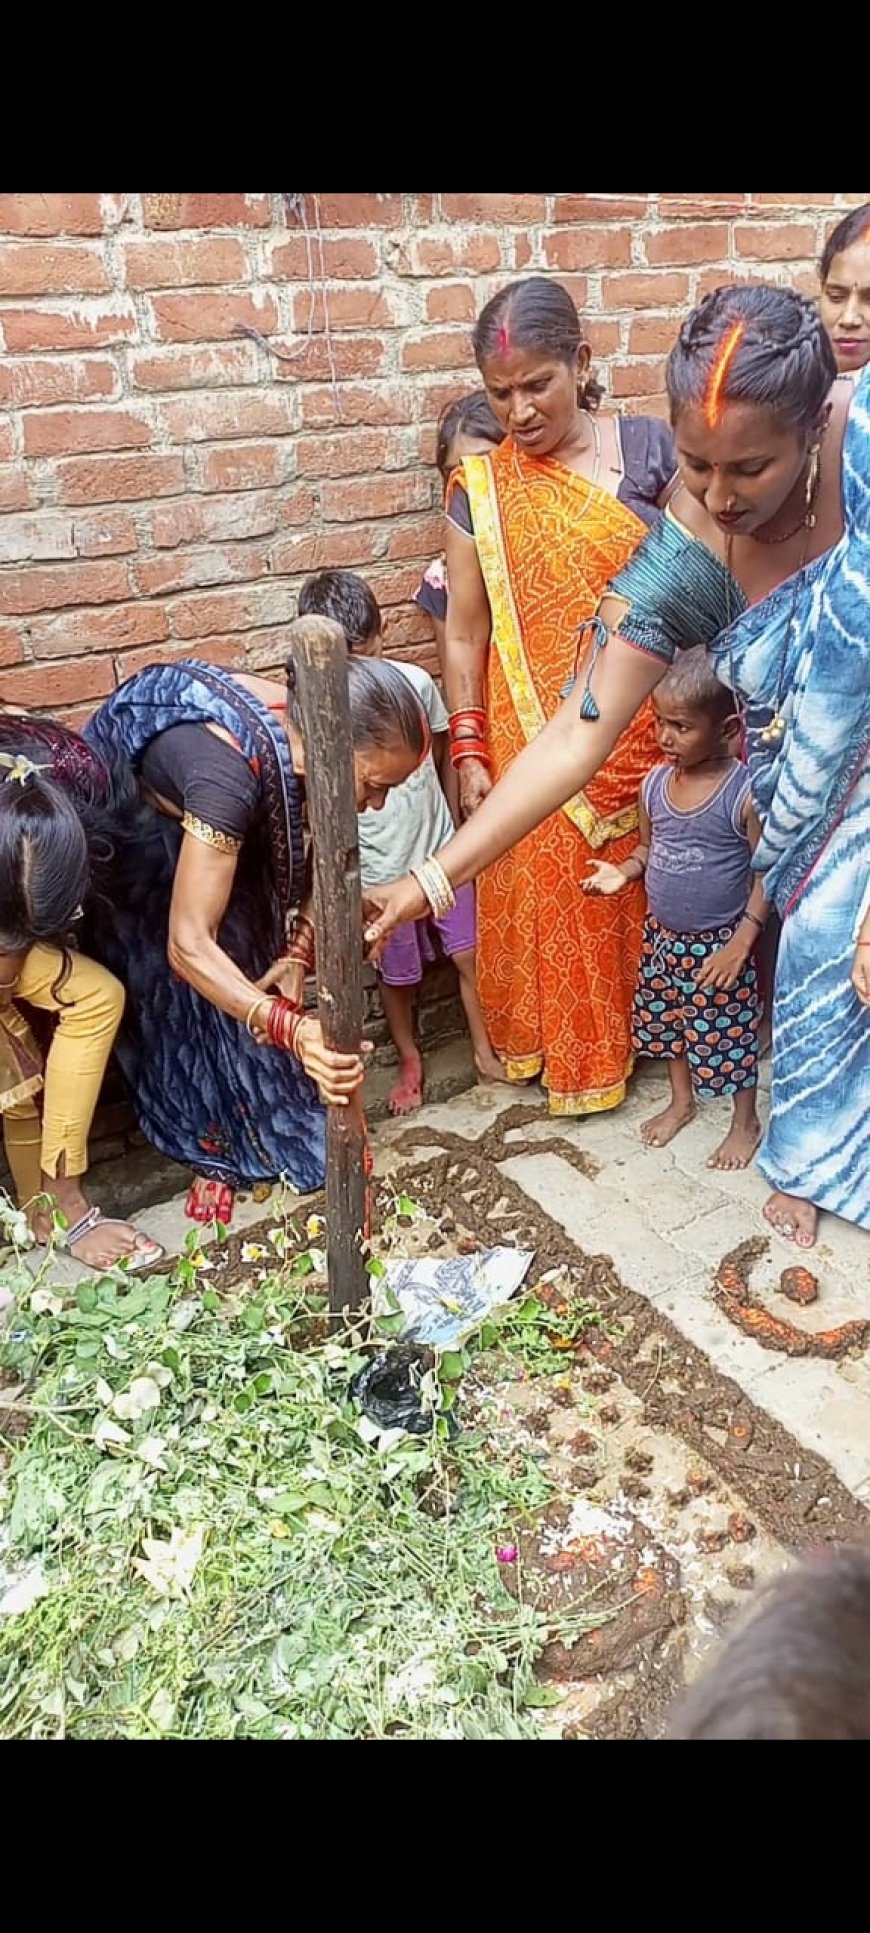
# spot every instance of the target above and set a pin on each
(796, 1220)
(489, 1067)
(739, 1145)
(210, 1201)
(661, 1128)
(408, 1091)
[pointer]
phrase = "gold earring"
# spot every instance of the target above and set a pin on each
(812, 485)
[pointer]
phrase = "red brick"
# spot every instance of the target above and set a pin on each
(341, 261)
(444, 255)
(105, 534)
(7, 442)
(252, 466)
(578, 289)
(59, 432)
(91, 325)
(112, 629)
(376, 403)
(361, 308)
(453, 303)
(720, 278)
(690, 243)
(239, 610)
(25, 383)
(693, 206)
(195, 570)
(51, 535)
(362, 497)
(447, 350)
(31, 268)
(226, 651)
(174, 264)
(121, 479)
(211, 318)
(60, 214)
(395, 583)
(206, 211)
(578, 248)
(523, 251)
(637, 378)
(603, 337)
(22, 591)
(357, 211)
(821, 201)
(16, 489)
(652, 291)
(46, 687)
(583, 208)
(653, 335)
(208, 368)
(209, 519)
(318, 360)
(11, 647)
(346, 454)
(298, 506)
(422, 538)
(205, 419)
(341, 548)
(515, 209)
(787, 242)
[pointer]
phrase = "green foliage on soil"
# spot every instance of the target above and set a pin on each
(203, 1544)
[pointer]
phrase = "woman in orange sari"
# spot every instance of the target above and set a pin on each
(535, 531)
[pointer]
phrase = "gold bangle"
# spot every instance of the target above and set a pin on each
(254, 1008)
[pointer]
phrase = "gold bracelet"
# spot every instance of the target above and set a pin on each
(254, 1008)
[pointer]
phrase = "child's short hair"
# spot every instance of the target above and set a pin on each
(692, 681)
(800, 1668)
(348, 600)
(471, 413)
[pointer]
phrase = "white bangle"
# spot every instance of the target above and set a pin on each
(434, 883)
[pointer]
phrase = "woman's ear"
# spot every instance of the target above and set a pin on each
(584, 358)
(823, 420)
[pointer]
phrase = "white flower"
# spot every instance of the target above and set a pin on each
(169, 1563)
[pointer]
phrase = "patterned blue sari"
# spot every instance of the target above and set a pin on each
(805, 650)
(204, 1093)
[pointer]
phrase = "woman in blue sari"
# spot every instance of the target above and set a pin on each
(749, 561)
(196, 918)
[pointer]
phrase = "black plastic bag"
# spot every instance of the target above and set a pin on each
(388, 1389)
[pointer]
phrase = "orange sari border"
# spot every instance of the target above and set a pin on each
(507, 637)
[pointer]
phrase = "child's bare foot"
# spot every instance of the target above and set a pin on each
(739, 1145)
(662, 1128)
(408, 1091)
(489, 1067)
(796, 1220)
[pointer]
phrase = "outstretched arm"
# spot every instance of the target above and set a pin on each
(561, 761)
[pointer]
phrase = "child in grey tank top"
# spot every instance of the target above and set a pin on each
(697, 1004)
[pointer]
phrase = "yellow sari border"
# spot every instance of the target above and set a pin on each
(508, 640)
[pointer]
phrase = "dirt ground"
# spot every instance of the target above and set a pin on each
(675, 1496)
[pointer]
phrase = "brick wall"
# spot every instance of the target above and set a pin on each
(166, 479)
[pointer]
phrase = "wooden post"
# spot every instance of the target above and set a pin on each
(319, 653)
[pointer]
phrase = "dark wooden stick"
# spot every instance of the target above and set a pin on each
(319, 653)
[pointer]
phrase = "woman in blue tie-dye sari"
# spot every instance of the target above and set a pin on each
(751, 560)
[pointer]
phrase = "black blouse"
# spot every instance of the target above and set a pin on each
(205, 777)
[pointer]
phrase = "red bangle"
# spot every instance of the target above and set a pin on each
(280, 1019)
(472, 715)
(470, 748)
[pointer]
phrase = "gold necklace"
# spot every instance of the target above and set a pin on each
(596, 468)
